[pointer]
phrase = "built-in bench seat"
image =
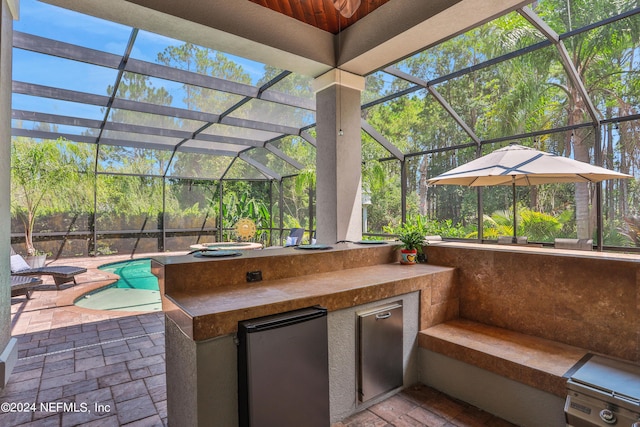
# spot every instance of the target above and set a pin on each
(534, 361)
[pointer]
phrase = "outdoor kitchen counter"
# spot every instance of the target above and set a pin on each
(204, 307)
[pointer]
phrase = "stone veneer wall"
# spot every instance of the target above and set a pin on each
(590, 301)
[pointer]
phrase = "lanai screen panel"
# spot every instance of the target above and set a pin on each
(379, 85)
(611, 80)
(274, 114)
(296, 85)
(240, 133)
(194, 165)
(442, 203)
(416, 122)
(568, 15)
(511, 97)
(45, 20)
(62, 73)
(297, 148)
(490, 41)
(153, 121)
(44, 105)
(129, 160)
(164, 50)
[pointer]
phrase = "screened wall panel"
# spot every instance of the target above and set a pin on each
(450, 209)
(191, 208)
(381, 180)
(621, 207)
(128, 203)
(415, 123)
(127, 160)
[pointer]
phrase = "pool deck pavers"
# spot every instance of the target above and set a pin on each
(82, 367)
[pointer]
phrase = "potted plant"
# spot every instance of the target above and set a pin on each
(411, 234)
(412, 240)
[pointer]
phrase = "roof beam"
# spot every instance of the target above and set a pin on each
(308, 137)
(262, 168)
(275, 150)
(163, 110)
(252, 124)
(61, 94)
(41, 134)
(228, 140)
(395, 152)
(55, 119)
(64, 50)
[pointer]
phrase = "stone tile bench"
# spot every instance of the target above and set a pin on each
(534, 361)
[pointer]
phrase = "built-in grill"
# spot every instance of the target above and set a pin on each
(603, 392)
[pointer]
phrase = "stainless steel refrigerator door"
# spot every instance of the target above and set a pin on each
(379, 351)
(287, 370)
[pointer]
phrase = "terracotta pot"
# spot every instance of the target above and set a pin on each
(408, 256)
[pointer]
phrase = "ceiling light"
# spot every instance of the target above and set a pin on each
(346, 7)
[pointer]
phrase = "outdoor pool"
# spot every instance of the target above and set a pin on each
(136, 290)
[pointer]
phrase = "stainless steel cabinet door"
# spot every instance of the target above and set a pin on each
(379, 351)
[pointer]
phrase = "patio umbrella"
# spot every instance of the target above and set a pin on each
(518, 165)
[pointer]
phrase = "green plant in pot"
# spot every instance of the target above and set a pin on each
(411, 234)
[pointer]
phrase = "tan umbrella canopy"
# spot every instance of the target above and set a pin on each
(518, 165)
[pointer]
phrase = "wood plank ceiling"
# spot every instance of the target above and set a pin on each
(320, 13)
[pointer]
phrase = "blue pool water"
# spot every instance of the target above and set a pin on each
(136, 290)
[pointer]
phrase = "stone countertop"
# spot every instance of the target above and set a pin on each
(536, 250)
(207, 312)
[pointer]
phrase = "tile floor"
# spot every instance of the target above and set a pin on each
(92, 368)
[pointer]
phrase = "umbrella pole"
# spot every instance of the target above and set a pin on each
(513, 195)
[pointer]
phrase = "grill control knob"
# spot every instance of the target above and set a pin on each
(608, 416)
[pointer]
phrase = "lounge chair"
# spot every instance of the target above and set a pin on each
(61, 274)
(508, 240)
(295, 237)
(21, 285)
(577, 244)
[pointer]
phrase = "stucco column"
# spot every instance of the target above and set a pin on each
(8, 345)
(338, 157)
